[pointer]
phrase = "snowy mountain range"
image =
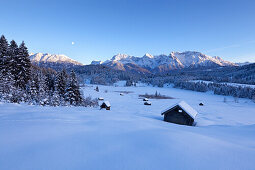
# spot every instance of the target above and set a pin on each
(164, 63)
(40, 58)
(146, 64)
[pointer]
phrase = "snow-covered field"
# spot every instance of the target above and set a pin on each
(130, 135)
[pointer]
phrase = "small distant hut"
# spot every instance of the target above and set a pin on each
(147, 103)
(106, 105)
(100, 98)
(201, 104)
(145, 99)
(180, 113)
(121, 94)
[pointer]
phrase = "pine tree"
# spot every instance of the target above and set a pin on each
(49, 84)
(34, 88)
(3, 55)
(42, 95)
(6, 86)
(73, 95)
(13, 65)
(60, 84)
(156, 94)
(55, 99)
(24, 66)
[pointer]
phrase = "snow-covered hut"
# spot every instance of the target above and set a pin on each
(106, 105)
(147, 103)
(100, 98)
(180, 113)
(145, 99)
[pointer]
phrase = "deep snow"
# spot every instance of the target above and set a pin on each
(130, 135)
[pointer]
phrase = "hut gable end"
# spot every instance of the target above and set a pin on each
(180, 113)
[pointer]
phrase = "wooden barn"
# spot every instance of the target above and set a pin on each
(180, 113)
(106, 105)
(147, 103)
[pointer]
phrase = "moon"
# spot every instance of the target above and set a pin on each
(72, 43)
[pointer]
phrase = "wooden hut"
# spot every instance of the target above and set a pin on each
(145, 99)
(100, 98)
(180, 113)
(106, 105)
(201, 104)
(147, 103)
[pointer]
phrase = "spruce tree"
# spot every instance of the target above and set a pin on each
(73, 95)
(7, 86)
(13, 63)
(24, 66)
(60, 84)
(3, 54)
(49, 82)
(34, 88)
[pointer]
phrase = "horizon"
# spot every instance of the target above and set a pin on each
(97, 30)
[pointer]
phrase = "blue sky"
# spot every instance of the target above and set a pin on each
(100, 29)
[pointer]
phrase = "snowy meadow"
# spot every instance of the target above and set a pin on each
(131, 135)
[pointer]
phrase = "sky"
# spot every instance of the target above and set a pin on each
(87, 30)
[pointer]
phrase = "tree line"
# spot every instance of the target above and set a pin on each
(21, 81)
(184, 82)
(219, 89)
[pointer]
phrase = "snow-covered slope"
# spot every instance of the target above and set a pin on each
(175, 60)
(52, 58)
(131, 135)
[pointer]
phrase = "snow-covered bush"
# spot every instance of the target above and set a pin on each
(88, 101)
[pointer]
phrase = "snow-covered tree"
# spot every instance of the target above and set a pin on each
(34, 88)
(73, 95)
(3, 55)
(6, 86)
(13, 64)
(61, 83)
(24, 66)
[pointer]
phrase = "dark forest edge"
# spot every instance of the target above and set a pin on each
(21, 81)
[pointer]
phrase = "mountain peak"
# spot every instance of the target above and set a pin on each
(148, 55)
(52, 58)
(120, 57)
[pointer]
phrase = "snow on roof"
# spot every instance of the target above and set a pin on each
(107, 103)
(187, 108)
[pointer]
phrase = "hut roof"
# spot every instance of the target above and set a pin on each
(187, 108)
(107, 103)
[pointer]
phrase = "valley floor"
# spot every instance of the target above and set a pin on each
(130, 135)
